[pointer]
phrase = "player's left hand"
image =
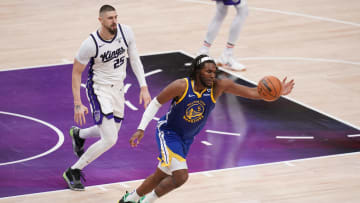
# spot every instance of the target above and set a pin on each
(287, 86)
(136, 138)
(144, 96)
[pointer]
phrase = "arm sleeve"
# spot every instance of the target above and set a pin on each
(135, 62)
(149, 114)
(86, 51)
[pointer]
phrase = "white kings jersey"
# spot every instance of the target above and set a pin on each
(108, 58)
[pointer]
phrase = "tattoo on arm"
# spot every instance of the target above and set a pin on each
(77, 107)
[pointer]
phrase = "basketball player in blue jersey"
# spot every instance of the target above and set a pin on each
(226, 59)
(106, 51)
(193, 99)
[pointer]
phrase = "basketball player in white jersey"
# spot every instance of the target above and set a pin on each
(226, 59)
(106, 51)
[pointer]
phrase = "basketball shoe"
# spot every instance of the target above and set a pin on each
(72, 178)
(230, 63)
(77, 142)
(204, 50)
(123, 199)
(141, 200)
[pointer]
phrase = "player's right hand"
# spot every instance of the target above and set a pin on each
(287, 86)
(136, 138)
(79, 113)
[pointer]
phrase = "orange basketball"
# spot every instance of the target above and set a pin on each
(269, 88)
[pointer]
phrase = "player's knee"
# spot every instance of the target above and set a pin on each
(221, 13)
(221, 10)
(180, 179)
(110, 140)
(242, 12)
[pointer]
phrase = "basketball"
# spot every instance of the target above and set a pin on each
(269, 88)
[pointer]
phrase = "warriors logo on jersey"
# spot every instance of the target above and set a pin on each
(188, 114)
(194, 111)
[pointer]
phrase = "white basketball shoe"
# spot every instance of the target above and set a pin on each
(203, 51)
(230, 63)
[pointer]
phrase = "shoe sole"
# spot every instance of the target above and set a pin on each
(69, 184)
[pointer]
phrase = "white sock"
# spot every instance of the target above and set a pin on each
(205, 48)
(228, 51)
(92, 131)
(108, 134)
(150, 198)
(133, 197)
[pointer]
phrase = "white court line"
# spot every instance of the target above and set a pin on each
(54, 148)
(33, 67)
(101, 187)
(162, 52)
(295, 137)
(286, 13)
(66, 61)
(281, 162)
(300, 59)
(156, 118)
(207, 174)
(357, 135)
(289, 163)
(124, 185)
(206, 143)
(223, 133)
(153, 72)
(306, 16)
(60, 64)
(130, 105)
(126, 88)
(194, 173)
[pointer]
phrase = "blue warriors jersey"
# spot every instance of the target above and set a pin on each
(186, 117)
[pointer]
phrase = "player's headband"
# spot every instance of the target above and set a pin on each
(206, 58)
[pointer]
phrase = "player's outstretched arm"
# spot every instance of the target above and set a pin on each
(229, 86)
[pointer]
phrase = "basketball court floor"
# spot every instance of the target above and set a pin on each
(36, 147)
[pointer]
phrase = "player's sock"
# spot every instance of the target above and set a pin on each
(204, 49)
(150, 198)
(228, 51)
(133, 196)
